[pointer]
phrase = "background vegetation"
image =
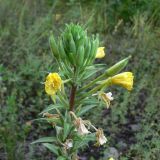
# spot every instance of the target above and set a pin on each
(126, 27)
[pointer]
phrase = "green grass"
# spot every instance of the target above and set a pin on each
(126, 28)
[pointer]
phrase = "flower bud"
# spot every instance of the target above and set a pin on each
(62, 53)
(117, 67)
(53, 46)
(80, 55)
(72, 44)
(100, 52)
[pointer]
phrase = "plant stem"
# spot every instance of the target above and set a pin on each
(72, 97)
(94, 90)
(93, 82)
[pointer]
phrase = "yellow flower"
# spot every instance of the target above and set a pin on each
(101, 139)
(124, 79)
(53, 83)
(100, 52)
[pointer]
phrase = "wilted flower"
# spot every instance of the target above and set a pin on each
(68, 144)
(107, 97)
(58, 16)
(101, 139)
(53, 83)
(124, 79)
(29, 123)
(51, 117)
(100, 52)
(75, 157)
(80, 125)
(48, 115)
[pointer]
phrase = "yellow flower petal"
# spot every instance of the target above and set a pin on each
(124, 79)
(53, 83)
(100, 52)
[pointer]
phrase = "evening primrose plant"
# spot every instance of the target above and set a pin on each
(76, 89)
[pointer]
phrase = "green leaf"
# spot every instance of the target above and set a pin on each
(61, 158)
(47, 120)
(66, 130)
(67, 80)
(51, 107)
(45, 139)
(85, 109)
(90, 137)
(81, 141)
(58, 129)
(90, 71)
(40, 119)
(51, 147)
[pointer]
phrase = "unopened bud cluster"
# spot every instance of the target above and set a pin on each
(74, 47)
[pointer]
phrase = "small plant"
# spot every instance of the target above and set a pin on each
(75, 91)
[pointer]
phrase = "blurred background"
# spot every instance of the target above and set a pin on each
(126, 27)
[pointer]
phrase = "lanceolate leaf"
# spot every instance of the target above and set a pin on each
(85, 109)
(82, 141)
(51, 107)
(90, 71)
(45, 139)
(66, 130)
(61, 158)
(51, 147)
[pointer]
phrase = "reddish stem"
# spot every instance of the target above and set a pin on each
(72, 97)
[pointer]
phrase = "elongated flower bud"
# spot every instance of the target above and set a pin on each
(72, 44)
(117, 67)
(62, 53)
(53, 46)
(80, 55)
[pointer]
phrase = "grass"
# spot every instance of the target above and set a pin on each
(126, 27)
